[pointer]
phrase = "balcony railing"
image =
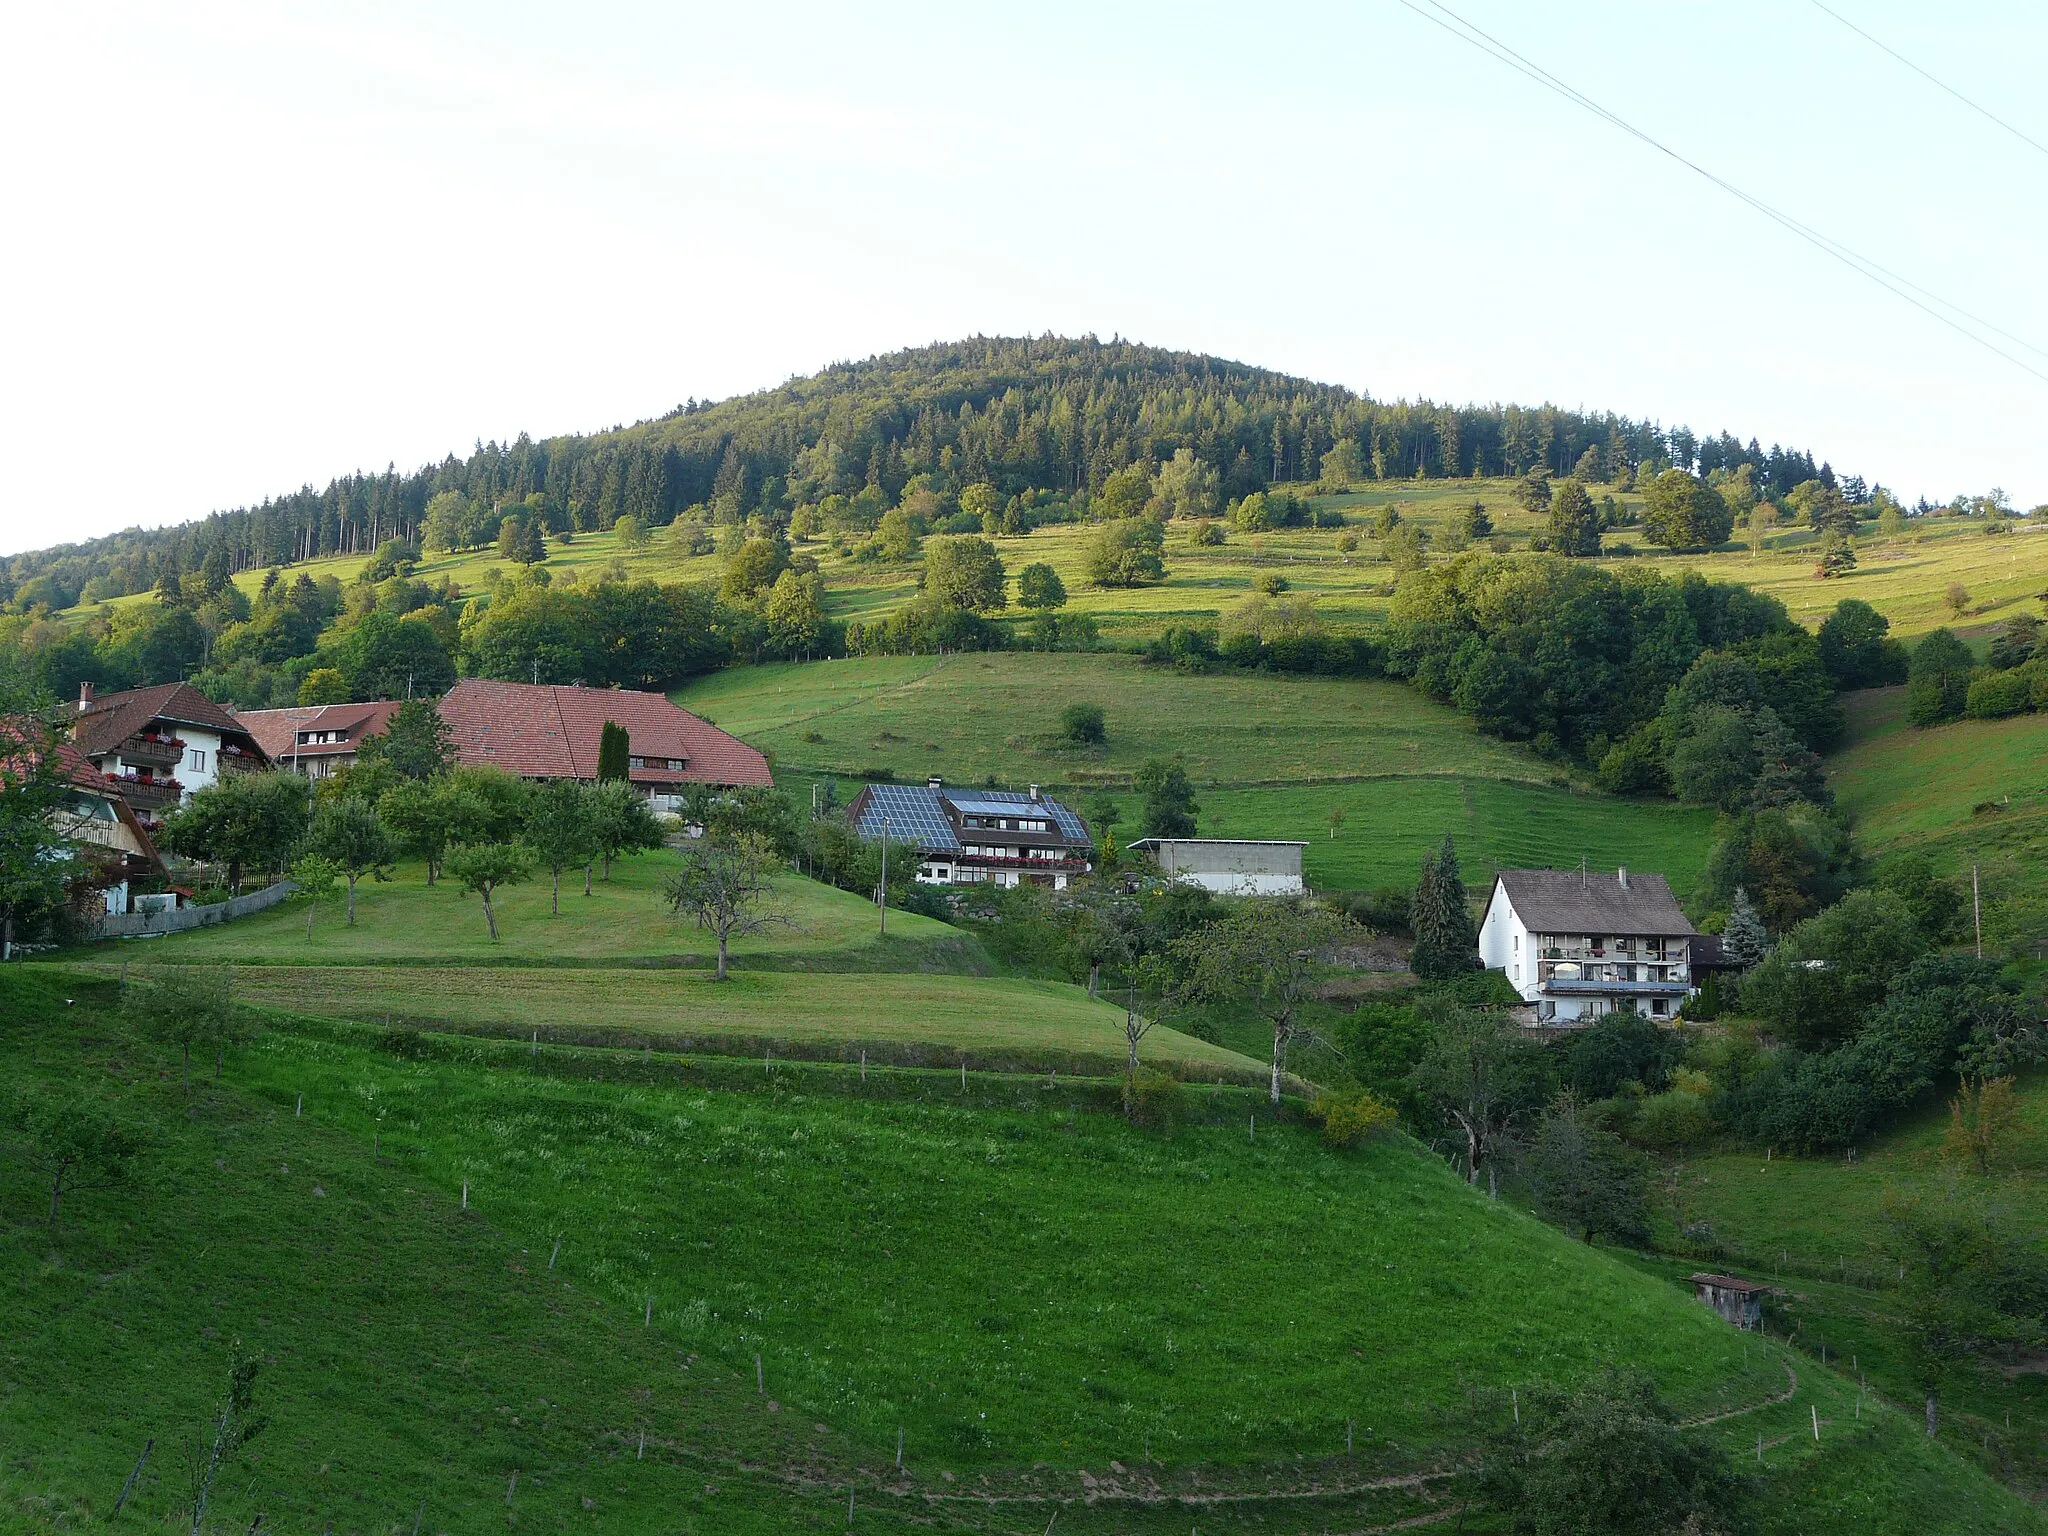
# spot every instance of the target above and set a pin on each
(235, 760)
(153, 748)
(147, 794)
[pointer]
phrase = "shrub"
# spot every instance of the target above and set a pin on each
(1272, 583)
(1083, 725)
(1208, 534)
(1157, 1100)
(1996, 695)
(1348, 1118)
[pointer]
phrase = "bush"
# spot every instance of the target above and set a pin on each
(1184, 648)
(1156, 1100)
(1348, 1118)
(1272, 583)
(1083, 725)
(1384, 910)
(1996, 695)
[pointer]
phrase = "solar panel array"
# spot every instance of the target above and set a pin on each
(915, 814)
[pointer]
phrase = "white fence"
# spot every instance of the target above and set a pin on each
(137, 925)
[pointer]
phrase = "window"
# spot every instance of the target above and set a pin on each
(197, 761)
(1518, 943)
(636, 762)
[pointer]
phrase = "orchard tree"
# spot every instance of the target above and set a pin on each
(35, 864)
(315, 879)
(725, 886)
(1268, 954)
(424, 816)
(76, 1140)
(188, 1006)
(1481, 1076)
(241, 821)
(483, 869)
(622, 822)
(349, 836)
(561, 829)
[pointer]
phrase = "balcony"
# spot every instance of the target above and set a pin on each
(152, 749)
(236, 760)
(1574, 988)
(146, 794)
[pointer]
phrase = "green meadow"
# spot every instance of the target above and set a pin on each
(491, 1290)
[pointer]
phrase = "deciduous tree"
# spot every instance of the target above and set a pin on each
(484, 869)
(348, 834)
(1269, 954)
(725, 886)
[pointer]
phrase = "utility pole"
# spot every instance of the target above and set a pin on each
(1977, 910)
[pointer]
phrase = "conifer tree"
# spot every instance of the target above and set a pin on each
(613, 748)
(1744, 940)
(1445, 935)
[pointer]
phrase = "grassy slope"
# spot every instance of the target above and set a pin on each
(1905, 580)
(973, 1019)
(616, 964)
(1285, 751)
(990, 1282)
(1915, 788)
(1819, 1223)
(622, 921)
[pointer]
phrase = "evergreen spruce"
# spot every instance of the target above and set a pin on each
(1445, 935)
(1744, 941)
(612, 749)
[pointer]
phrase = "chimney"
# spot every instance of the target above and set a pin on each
(1034, 793)
(934, 782)
(1621, 874)
(85, 698)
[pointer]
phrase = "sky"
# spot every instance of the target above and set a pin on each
(252, 246)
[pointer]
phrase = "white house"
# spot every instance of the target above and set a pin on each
(1229, 866)
(158, 745)
(1582, 945)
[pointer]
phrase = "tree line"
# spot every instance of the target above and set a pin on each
(1045, 415)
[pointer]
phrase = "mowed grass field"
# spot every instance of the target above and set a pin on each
(1389, 824)
(545, 1302)
(967, 716)
(1905, 579)
(974, 1020)
(623, 921)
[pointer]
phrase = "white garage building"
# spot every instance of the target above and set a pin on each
(1229, 866)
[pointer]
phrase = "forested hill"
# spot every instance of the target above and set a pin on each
(1024, 413)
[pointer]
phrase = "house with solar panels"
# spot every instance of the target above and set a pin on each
(976, 836)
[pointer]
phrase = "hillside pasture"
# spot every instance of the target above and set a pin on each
(624, 921)
(1389, 824)
(957, 1018)
(969, 716)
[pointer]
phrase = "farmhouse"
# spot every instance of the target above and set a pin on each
(318, 740)
(548, 732)
(1580, 946)
(976, 836)
(1229, 866)
(158, 745)
(1739, 1301)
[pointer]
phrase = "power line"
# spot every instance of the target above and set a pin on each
(1898, 286)
(1976, 107)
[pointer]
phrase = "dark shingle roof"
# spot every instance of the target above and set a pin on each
(1565, 901)
(113, 719)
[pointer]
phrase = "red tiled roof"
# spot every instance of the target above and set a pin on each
(81, 775)
(550, 732)
(277, 730)
(113, 719)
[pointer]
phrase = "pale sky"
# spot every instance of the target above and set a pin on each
(252, 246)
